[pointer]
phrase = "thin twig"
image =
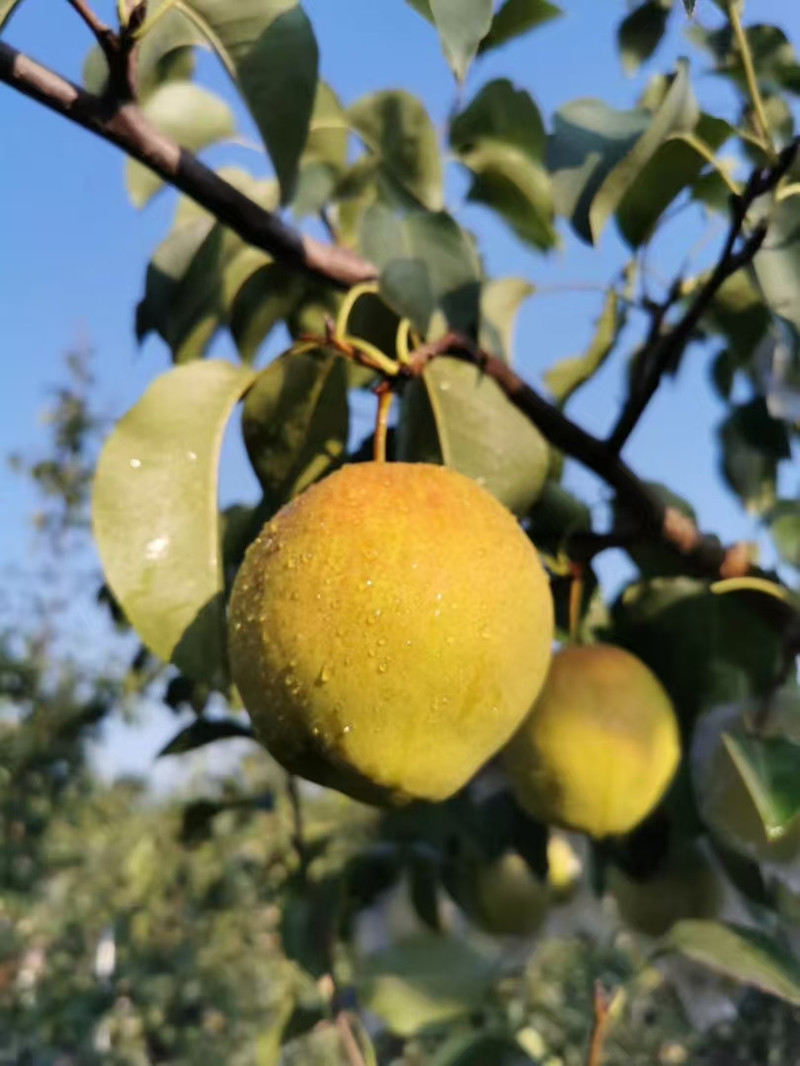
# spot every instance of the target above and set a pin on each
(601, 1017)
(98, 28)
(701, 554)
(298, 825)
(128, 129)
(663, 349)
(759, 113)
(349, 1042)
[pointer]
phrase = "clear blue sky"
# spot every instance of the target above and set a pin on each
(73, 250)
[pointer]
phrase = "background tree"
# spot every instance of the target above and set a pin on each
(386, 290)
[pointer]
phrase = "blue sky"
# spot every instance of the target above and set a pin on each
(73, 250)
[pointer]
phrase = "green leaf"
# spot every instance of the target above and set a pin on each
(192, 116)
(706, 649)
(462, 25)
(425, 981)
(295, 422)
(269, 48)
(205, 731)
(745, 955)
(196, 275)
(676, 164)
(555, 515)
(423, 7)
(500, 138)
(516, 17)
(499, 1049)
(770, 768)
(7, 9)
(566, 377)
(777, 264)
(641, 32)
(753, 445)
(456, 415)
(774, 57)
(428, 262)
(324, 159)
(501, 300)
(269, 295)
(396, 128)
(784, 525)
(737, 313)
(155, 517)
(597, 154)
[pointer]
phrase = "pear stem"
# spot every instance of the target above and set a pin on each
(385, 396)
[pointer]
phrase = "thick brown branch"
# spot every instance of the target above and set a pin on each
(663, 350)
(128, 129)
(701, 554)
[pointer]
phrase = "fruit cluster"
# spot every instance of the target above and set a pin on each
(391, 630)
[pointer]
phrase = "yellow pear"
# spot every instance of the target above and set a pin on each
(600, 746)
(684, 886)
(389, 630)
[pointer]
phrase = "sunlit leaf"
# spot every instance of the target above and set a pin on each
(745, 955)
(784, 525)
(456, 415)
(266, 297)
(462, 25)
(597, 154)
(7, 8)
(777, 263)
(428, 262)
(424, 981)
(676, 165)
(501, 300)
(269, 47)
(155, 515)
(324, 158)
(396, 128)
(770, 768)
(190, 115)
(500, 138)
(515, 18)
(566, 377)
(295, 422)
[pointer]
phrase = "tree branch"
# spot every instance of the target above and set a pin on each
(701, 554)
(663, 350)
(128, 128)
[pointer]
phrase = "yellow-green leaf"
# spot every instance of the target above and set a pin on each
(155, 514)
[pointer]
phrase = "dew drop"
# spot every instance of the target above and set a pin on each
(383, 666)
(191, 456)
(291, 563)
(368, 583)
(377, 612)
(324, 674)
(438, 597)
(381, 642)
(347, 729)
(136, 463)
